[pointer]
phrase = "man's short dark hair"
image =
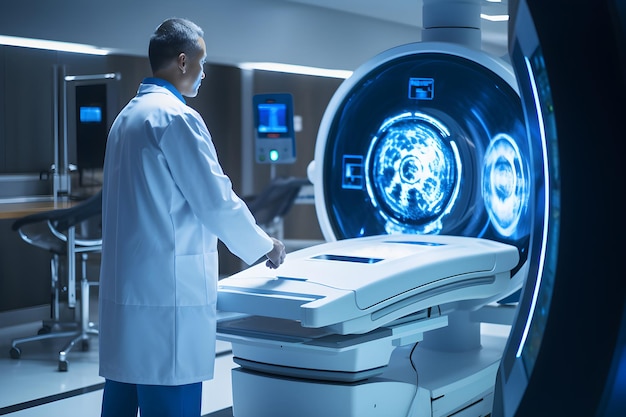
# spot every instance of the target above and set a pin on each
(173, 37)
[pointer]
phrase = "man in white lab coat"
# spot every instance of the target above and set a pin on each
(166, 201)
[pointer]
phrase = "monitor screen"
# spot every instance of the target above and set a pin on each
(272, 118)
(90, 114)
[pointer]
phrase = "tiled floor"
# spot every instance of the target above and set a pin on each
(32, 386)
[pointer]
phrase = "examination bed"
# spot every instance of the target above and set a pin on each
(330, 321)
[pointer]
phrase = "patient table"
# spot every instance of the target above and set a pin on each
(342, 328)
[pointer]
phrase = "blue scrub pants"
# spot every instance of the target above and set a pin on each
(123, 400)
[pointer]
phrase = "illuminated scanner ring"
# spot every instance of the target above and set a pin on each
(505, 184)
(413, 171)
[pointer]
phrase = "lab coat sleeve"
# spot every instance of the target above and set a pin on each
(193, 162)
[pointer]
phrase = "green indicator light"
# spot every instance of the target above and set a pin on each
(273, 155)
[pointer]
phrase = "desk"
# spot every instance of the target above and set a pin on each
(15, 210)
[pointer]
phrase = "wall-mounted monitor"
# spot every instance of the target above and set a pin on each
(91, 126)
(274, 131)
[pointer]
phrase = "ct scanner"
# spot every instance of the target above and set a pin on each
(441, 185)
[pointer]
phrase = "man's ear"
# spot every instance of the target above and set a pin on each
(182, 62)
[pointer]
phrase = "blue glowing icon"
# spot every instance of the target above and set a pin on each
(421, 88)
(505, 184)
(353, 172)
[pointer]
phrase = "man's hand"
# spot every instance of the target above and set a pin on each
(276, 256)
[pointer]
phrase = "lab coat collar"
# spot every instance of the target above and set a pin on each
(163, 83)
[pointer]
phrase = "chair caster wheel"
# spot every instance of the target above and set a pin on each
(15, 352)
(63, 366)
(84, 345)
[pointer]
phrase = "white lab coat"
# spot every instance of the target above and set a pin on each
(166, 201)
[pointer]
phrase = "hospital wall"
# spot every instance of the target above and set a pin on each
(27, 144)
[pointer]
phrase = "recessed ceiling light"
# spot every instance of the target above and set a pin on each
(52, 45)
(296, 69)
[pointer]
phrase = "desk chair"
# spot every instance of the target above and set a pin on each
(65, 233)
(270, 206)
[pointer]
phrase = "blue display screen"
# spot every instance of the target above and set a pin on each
(90, 114)
(413, 169)
(272, 118)
(505, 185)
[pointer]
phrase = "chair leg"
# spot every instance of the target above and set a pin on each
(16, 352)
(55, 302)
(54, 273)
(86, 327)
(47, 330)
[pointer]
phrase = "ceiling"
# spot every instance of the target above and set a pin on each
(337, 34)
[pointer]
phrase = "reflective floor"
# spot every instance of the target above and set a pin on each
(32, 386)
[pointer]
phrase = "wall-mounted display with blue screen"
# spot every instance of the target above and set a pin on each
(91, 126)
(274, 132)
(428, 142)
